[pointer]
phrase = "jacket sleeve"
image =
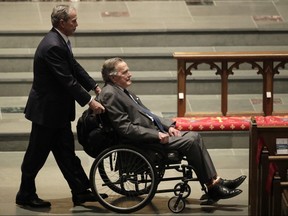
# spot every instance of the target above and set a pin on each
(63, 72)
(83, 77)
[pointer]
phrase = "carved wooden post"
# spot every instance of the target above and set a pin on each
(181, 93)
(253, 137)
(261, 201)
(224, 88)
(276, 196)
(268, 88)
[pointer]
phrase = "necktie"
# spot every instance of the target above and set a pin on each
(69, 45)
(155, 118)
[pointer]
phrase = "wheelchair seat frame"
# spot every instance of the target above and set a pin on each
(130, 177)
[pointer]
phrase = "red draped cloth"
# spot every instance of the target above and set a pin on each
(226, 123)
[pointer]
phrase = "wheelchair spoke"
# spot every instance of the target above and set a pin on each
(126, 176)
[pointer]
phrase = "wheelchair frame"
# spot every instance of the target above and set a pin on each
(130, 177)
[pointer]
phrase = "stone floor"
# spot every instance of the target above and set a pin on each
(51, 186)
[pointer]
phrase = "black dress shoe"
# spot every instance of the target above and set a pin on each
(86, 196)
(219, 191)
(33, 202)
(233, 184)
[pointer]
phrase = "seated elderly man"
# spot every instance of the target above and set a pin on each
(133, 122)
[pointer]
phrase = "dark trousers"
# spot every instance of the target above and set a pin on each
(61, 142)
(191, 145)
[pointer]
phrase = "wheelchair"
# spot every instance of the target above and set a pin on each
(128, 173)
(130, 177)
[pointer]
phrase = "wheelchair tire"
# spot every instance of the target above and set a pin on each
(127, 176)
(176, 204)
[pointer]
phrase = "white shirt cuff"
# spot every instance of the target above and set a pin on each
(90, 100)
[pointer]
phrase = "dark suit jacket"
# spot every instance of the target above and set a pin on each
(130, 123)
(59, 80)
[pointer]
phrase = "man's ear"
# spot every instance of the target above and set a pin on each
(112, 78)
(61, 24)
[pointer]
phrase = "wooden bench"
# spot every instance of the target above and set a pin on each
(271, 181)
(260, 136)
(279, 184)
(266, 64)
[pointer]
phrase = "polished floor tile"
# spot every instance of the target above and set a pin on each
(52, 186)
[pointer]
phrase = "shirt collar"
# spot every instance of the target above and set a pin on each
(119, 87)
(63, 35)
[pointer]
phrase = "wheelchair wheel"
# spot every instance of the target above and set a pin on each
(186, 192)
(176, 204)
(127, 176)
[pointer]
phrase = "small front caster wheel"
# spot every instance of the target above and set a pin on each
(176, 204)
(186, 192)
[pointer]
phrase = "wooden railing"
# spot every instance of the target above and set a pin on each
(271, 183)
(265, 63)
(260, 136)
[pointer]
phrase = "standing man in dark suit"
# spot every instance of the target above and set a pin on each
(134, 123)
(59, 81)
